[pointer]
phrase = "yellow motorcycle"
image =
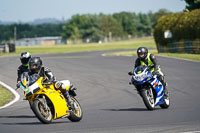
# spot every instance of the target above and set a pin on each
(47, 103)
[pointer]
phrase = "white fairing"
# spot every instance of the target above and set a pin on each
(65, 83)
(33, 87)
(140, 77)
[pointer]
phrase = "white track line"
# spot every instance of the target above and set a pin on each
(17, 96)
(191, 132)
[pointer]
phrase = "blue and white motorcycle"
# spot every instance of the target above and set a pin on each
(150, 88)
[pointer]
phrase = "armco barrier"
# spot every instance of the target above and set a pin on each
(8, 47)
(182, 46)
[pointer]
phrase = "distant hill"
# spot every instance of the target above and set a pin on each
(36, 21)
(6, 22)
(46, 21)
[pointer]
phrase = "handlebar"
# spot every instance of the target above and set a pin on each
(48, 83)
(149, 67)
(130, 73)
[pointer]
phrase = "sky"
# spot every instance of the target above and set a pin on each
(29, 10)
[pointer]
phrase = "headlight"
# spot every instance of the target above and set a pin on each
(140, 77)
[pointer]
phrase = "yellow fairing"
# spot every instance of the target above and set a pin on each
(60, 105)
(24, 82)
(58, 101)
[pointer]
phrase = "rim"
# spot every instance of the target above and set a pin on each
(76, 109)
(45, 113)
(150, 97)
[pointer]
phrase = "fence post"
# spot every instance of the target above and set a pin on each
(6, 48)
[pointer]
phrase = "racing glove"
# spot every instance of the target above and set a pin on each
(58, 84)
(130, 73)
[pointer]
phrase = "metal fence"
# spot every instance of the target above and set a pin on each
(182, 46)
(7, 48)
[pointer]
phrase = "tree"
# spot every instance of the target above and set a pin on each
(110, 26)
(192, 4)
(83, 27)
(145, 26)
(157, 15)
(128, 21)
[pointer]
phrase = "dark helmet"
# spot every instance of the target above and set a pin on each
(25, 56)
(35, 64)
(142, 52)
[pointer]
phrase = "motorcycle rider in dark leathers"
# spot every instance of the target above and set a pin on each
(35, 64)
(24, 67)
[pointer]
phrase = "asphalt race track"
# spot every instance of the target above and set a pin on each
(110, 104)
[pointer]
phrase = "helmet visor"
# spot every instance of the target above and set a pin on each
(141, 55)
(33, 66)
(24, 60)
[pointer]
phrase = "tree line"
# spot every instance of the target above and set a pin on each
(94, 27)
(29, 31)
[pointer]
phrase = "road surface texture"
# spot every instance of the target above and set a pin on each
(110, 104)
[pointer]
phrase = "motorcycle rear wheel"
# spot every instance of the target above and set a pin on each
(148, 98)
(76, 114)
(44, 115)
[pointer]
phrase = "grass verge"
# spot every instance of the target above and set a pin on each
(128, 44)
(5, 96)
(194, 57)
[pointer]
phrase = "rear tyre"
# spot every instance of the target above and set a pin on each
(44, 115)
(148, 98)
(76, 113)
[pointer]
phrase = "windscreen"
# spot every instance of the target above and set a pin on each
(139, 69)
(32, 79)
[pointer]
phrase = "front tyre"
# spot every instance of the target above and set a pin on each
(76, 113)
(148, 98)
(42, 113)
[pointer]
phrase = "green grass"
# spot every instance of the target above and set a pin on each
(130, 44)
(5, 96)
(194, 57)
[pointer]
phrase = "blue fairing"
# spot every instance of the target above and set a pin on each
(160, 93)
(154, 82)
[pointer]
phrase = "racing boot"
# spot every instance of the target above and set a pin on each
(166, 93)
(69, 101)
(59, 85)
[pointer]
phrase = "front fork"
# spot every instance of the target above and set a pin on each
(140, 88)
(71, 93)
(43, 101)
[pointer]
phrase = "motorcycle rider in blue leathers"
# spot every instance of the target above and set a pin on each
(148, 59)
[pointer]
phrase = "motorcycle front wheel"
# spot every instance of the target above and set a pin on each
(42, 113)
(76, 113)
(148, 98)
